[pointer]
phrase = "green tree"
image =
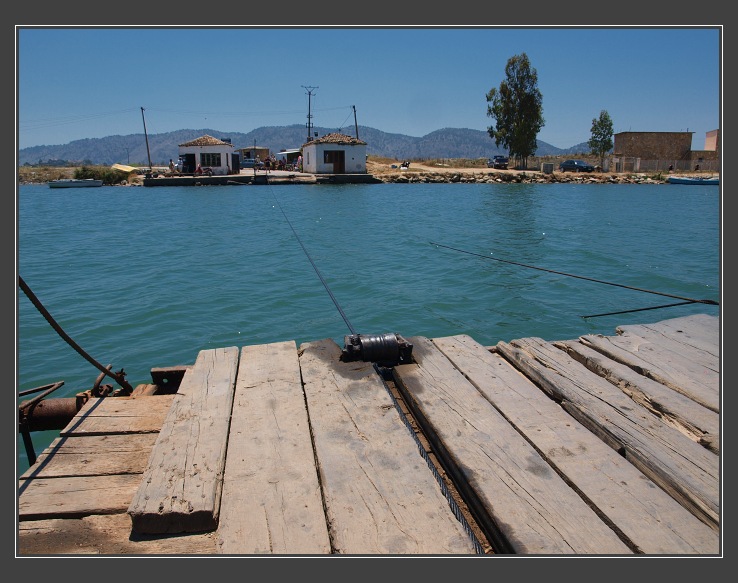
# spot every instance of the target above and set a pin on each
(601, 141)
(517, 107)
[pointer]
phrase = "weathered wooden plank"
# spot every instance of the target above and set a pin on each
(74, 497)
(673, 348)
(380, 495)
(695, 421)
(686, 470)
(181, 487)
(145, 390)
(673, 369)
(698, 331)
(120, 415)
(108, 534)
(93, 455)
(512, 490)
(652, 521)
(271, 502)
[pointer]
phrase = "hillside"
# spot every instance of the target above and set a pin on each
(131, 149)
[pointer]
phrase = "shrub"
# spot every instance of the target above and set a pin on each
(107, 175)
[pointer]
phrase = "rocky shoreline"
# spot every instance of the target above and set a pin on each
(419, 172)
(520, 177)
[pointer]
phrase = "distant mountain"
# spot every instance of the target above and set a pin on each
(131, 149)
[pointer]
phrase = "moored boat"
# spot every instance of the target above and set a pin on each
(74, 183)
(707, 180)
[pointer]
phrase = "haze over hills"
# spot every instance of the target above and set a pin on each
(131, 149)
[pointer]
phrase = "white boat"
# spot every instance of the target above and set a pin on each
(74, 183)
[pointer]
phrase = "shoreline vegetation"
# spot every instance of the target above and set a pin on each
(388, 171)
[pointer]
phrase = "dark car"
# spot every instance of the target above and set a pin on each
(498, 162)
(576, 166)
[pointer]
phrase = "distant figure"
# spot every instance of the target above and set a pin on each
(171, 165)
(671, 167)
(696, 167)
(299, 163)
(198, 170)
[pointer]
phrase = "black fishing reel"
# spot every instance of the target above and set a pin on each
(388, 349)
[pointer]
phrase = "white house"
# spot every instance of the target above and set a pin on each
(334, 154)
(209, 152)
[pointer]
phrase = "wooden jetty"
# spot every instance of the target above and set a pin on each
(600, 445)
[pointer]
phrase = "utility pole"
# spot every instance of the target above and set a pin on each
(309, 123)
(355, 124)
(148, 153)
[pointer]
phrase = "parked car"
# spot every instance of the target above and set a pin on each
(251, 163)
(576, 166)
(498, 162)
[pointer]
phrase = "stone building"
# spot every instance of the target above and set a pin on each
(254, 152)
(646, 151)
(654, 145)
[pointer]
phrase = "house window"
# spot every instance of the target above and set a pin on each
(210, 159)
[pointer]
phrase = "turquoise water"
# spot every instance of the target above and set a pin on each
(148, 277)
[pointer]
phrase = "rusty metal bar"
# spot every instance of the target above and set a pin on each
(50, 414)
(28, 404)
(37, 389)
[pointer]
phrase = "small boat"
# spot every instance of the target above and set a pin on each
(711, 180)
(74, 183)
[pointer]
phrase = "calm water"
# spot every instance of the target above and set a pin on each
(148, 277)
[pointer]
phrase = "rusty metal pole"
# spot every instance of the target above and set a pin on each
(119, 377)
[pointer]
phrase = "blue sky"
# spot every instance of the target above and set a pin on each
(91, 82)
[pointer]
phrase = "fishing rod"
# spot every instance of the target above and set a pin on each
(686, 300)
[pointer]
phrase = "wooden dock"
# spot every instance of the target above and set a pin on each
(601, 445)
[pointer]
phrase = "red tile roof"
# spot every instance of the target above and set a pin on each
(206, 141)
(336, 138)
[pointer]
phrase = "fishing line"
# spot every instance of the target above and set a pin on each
(387, 349)
(687, 300)
(315, 267)
(638, 310)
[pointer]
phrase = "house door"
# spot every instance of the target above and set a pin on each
(337, 158)
(189, 163)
